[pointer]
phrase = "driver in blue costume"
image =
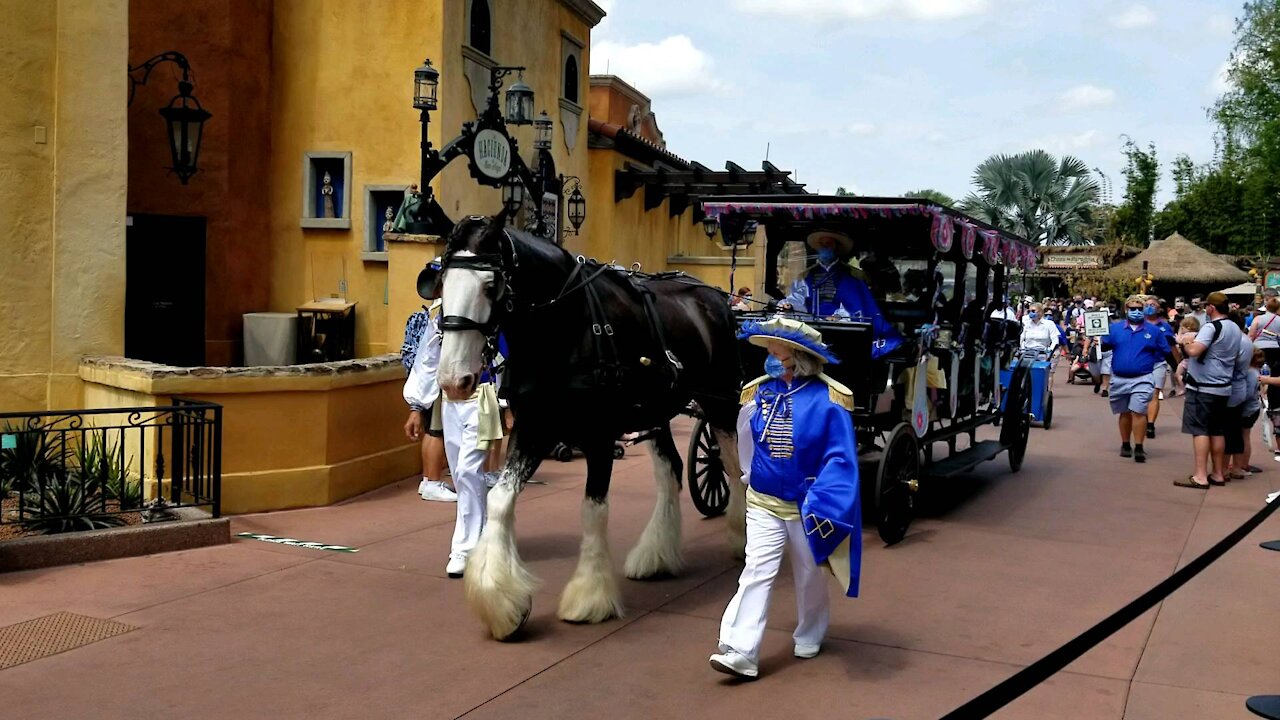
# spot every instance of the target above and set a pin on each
(799, 458)
(829, 290)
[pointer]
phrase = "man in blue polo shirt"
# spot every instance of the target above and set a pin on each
(1136, 346)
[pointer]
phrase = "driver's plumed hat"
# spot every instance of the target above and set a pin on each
(844, 243)
(788, 332)
(428, 279)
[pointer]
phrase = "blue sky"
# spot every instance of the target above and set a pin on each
(888, 96)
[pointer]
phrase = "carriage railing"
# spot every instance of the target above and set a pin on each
(78, 469)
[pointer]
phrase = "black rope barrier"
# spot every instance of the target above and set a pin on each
(1042, 669)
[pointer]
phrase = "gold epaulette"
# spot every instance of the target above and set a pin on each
(839, 394)
(749, 390)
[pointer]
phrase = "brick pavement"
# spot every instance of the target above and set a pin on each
(1000, 570)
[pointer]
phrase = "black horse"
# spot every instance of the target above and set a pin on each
(593, 352)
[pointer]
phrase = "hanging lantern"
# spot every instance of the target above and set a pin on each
(513, 193)
(542, 128)
(185, 118)
(426, 82)
(519, 103)
(710, 226)
(577, 208)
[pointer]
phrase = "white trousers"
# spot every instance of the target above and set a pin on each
(742, 628)
(461, 421)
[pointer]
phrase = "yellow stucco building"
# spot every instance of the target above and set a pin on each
(113, 268)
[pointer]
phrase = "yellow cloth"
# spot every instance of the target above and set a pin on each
(934, 378)
(777, 507)
(490, 416)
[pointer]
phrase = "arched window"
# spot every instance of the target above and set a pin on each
(481, 31)
(571, 79)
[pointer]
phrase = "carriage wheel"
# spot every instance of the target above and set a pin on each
(562, 452)
(708, 486)
(1048, 412)
(896, 481)
(1017, 418)
(619, 452)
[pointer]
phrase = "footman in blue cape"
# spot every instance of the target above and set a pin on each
(799, 458)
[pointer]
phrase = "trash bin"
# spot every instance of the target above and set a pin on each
(270, 338)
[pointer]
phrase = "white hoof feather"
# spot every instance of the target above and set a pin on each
(499, 588)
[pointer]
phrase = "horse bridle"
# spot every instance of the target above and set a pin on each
(500, 295)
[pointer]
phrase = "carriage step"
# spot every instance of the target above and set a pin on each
(965, 460)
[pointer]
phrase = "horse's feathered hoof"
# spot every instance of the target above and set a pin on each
(514, 634)
(590, 599)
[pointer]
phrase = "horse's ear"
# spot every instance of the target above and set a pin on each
(499, 222)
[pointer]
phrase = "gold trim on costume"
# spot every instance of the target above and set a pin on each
(777, 507)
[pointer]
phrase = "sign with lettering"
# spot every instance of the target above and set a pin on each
(551, 216)
(1072, 262)
(1097, 324)
(491, 153)
(308, 544)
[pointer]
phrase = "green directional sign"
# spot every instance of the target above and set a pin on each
(8, 441)
(308, 544)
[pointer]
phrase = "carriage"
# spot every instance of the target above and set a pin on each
(937, 275)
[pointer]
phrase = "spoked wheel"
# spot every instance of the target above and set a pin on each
(1048, 412)
(708, 486)
(1016, 428)
(896, 482)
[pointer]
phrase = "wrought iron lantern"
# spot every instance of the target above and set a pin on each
(513, 193)
(542, 128)
(577, 208)
(519, 103)
(426, 84)
(710, 226)
(748, 234)
(185, 119)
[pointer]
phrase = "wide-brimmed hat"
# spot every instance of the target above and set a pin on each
(844, 243)
(428, 278)
(789, 332)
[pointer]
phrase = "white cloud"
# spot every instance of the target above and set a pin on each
(827, 10)
(862, 128)
(1086, 97)
(1135, 16)
(936, 137)
(1221, 81)
(672, 66)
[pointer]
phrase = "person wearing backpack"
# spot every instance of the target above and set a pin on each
(424, 424)
(1210, 371)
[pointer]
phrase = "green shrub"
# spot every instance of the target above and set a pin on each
(105, 470)
(66, 505)
(35, 455)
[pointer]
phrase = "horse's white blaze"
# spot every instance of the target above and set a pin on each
(737, 511)
(658, 552)
(461, 353)
(592, 593)
(499, 587)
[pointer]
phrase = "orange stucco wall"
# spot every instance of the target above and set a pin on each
(228, 43)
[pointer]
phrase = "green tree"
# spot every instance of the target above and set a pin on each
(842, 192)
(932, 195)
(1141, 172)
(1032, 194)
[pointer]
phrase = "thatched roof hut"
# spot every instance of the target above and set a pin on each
(1178, 263)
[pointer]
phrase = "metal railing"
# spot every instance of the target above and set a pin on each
(82, 469)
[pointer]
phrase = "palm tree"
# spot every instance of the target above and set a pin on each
(1047, 201)
(932, 195)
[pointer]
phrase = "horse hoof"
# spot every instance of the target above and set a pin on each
(513, 635)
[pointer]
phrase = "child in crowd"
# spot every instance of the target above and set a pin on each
(1188, 324)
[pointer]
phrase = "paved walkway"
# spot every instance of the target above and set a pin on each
(1003, 569)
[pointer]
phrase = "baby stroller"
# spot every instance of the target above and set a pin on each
(1079, 362)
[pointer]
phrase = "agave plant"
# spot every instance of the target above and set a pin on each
(34, 454)
(65, 504)
(104, 470)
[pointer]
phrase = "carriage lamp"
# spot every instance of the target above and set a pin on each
(513, 194)
(542, 128)
(577, 207)
(426, 83)
(519, 103)
(748, 234)
(183, 116)
(710, 226)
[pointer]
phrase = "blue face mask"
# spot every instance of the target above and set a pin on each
(1135, 316)
(774, 368)
(826, 255)
(1151, 311)
(1033, 315)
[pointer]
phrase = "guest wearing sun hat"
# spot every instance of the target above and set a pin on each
(799, 457)
(830, 290)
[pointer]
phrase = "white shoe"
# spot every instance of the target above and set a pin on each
(807, 651)
(439, 492)
(734, 663)
(423, 485)
(456, 566)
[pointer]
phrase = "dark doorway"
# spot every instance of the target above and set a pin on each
(164, 289)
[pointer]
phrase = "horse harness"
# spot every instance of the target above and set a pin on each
(609, 366)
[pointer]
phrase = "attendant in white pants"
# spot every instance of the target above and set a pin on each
(799, 457)
(469, 426)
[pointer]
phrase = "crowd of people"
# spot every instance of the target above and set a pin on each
(1218, 355)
